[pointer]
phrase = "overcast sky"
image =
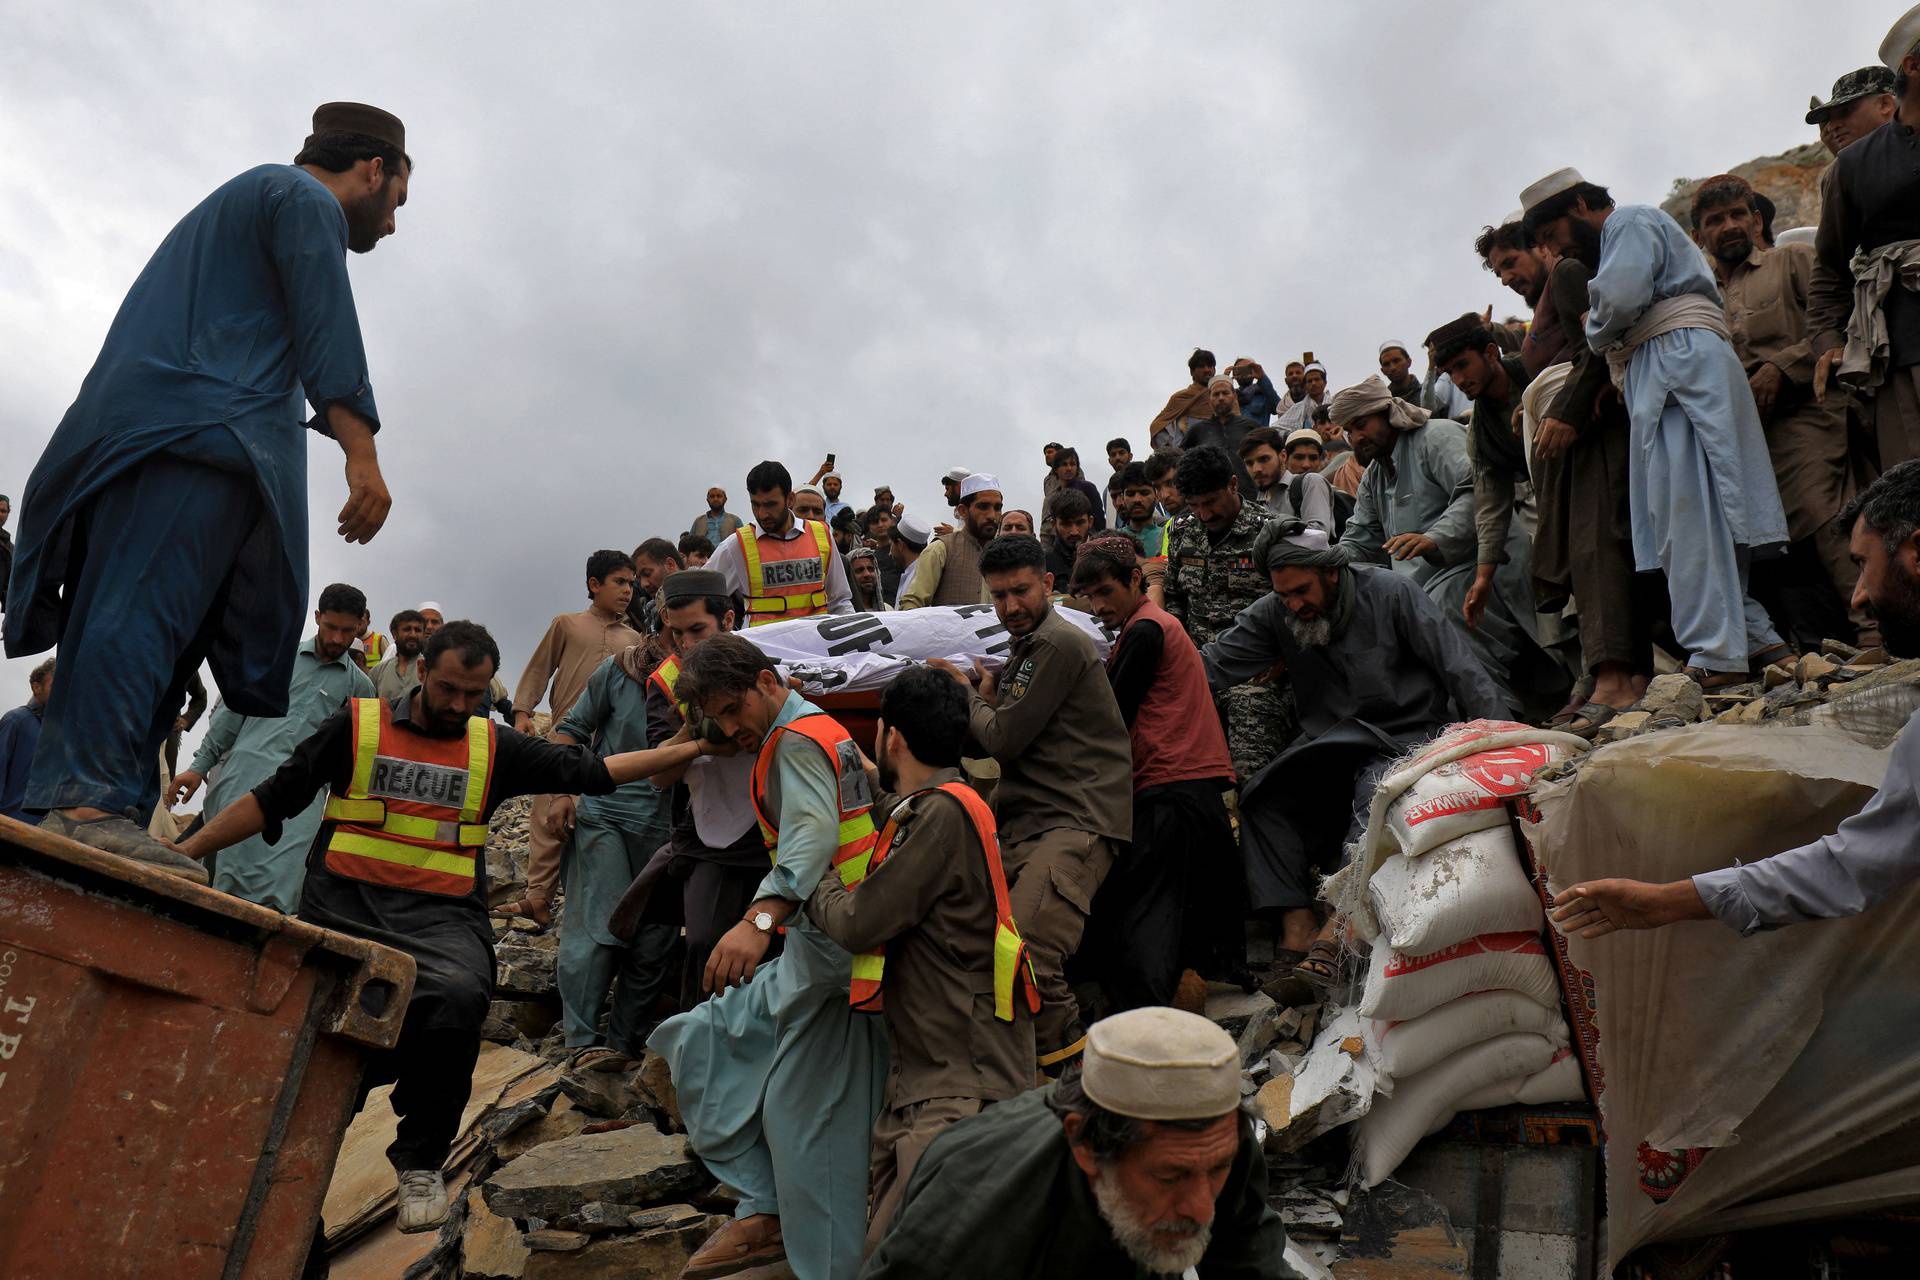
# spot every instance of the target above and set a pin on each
(648, 245)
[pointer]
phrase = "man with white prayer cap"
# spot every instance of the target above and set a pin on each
(948, 571)
(1396, 366)
(1869, 240)
(1143, 1164)
(1313, 395)
(1376, 669)
(910, 539)
(435, 616)
(950, 485)
(1700, 486)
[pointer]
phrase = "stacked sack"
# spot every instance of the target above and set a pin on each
(1464, 1001)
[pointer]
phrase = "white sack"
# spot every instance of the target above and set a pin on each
(1395, 1124)
(1455, 891)
(1407, 1048)
(1401, 986)
(852, 652)
(1560, 1081)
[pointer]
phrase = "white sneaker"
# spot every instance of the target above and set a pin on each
(423, 1200)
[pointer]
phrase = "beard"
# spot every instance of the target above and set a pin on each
(1147, 1247)
(1586, 242)
(1898, 611)
(1314, 634)
(366, 221)
(1732, 250)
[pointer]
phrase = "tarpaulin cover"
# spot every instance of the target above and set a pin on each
(1742, 1081)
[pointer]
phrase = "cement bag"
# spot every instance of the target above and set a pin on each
(1466, 795)
(1455, 891)
(1561, 1081)
(1401, 986)
(1391, 1128)
(1408, 1048)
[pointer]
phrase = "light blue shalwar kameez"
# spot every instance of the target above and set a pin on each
(779, 1080)
(249, 749)
(1700, 486)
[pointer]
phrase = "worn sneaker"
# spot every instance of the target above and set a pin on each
(118, 835)
(423, 1200)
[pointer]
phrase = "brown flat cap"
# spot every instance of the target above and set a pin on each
(358, 117)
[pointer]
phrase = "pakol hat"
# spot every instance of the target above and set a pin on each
(689, 584)
(358, 117)
(1161, 1064)
(1548, 187)
(1851, 87)
(1901, 40)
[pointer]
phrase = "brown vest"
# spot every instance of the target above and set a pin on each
(960, 578)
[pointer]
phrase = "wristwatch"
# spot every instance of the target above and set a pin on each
(761, 920)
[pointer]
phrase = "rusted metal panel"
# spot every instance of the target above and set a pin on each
(177, 1068)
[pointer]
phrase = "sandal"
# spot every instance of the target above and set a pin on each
(528, 908)
(1710, 680)
(1779, 655)
(597, 1057)
(1587, 721)
(1308, 982)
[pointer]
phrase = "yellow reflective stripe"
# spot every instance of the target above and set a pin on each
(785, 604)
(406, 855)
(821, 543)
(1006, 961)
(366, 745)
(472, 834)
(476, 769)
(750, 550)
(854, 869)
(340, 809)
(418, 828)
(868, 966)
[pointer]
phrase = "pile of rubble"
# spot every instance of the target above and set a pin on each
(1835, 675)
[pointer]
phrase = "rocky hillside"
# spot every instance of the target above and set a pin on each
(1791, 180)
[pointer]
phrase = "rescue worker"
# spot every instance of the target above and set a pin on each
(782, 566)
(780, 1078)
(959, 999)
(1065, 795)
(397, 862)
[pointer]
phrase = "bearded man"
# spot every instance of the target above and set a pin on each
(1376, 669)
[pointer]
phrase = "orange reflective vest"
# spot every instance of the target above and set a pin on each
(856, 845)
(376, 647)
(665, 678)
(1011, 965)
(411, 815)
(786, 577)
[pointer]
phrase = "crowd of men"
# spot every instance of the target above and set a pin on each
(874, 941)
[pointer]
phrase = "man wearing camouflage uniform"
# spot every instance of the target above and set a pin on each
(1211, 576)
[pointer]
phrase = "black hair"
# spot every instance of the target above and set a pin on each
(929, 708)
(1068, 504)
(1717, 192)
(658, 549)
(1119, 442)
(468, 640)
(1556, 207)
(1105, 1134)
(723, 665)
(717, 606)
(695, 544)
(1766, 209)
(338, 597)
(1134, 474)
(1201, 357)
(1510, 235)
(1067, 453)
(1890, 505)
(602, 563)
(769, 475)
(1323, 415)
(872, 513)
(1162, 463)
(1263, 436)
(339, 152)
(1207, 469)
(1450, 339)
(1013, 551)
(406, 616)
(845, 520)
(45, 669)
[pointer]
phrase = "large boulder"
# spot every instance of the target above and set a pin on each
(634, 1166)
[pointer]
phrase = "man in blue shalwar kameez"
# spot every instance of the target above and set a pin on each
(1700, 484)
(165, 524)
(779, 1078)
